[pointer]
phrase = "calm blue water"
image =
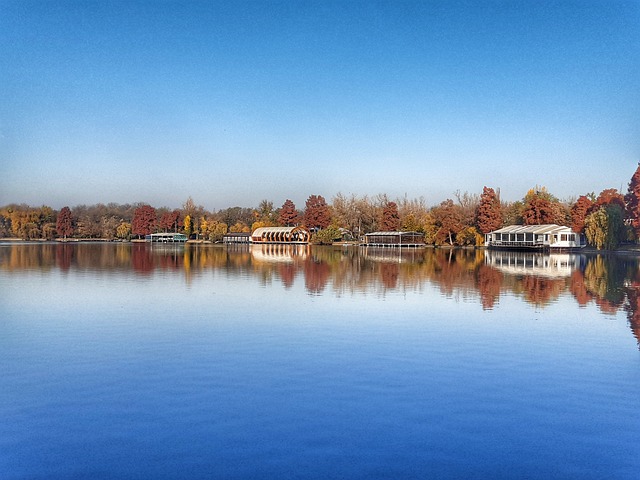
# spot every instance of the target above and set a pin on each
(121, 361)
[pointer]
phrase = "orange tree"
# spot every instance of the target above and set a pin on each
(489, 211)
(316, 213)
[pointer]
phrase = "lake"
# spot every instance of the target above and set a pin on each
(203, 361)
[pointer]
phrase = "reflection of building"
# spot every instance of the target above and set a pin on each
(395, 255)
(166, 238)
(236, 237)
(539, 237)
(544, 265)
(280, 235)
(278, 253)
(394, 239)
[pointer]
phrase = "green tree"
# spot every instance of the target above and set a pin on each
(327, 236)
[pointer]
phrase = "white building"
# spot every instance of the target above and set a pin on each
(540, 237)
(280, 235)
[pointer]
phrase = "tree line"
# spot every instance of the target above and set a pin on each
(606, 219)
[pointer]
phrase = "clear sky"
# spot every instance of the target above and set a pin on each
(233, 102)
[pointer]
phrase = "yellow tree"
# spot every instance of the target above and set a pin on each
(239, 227)
(188, 226)
(123, 230)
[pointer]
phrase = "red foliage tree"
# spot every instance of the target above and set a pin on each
(64, 223)
(448, 217)
(611, 196)
(316, 213)
(538, 211)
(288, 214)
(632, 200)
(144, 220)
(170, 221)
(579, 212)
(390, 221)
(489, 211)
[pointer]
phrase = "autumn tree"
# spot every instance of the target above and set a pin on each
(170, 221)
(213, 230)
(236, 215)
(288, 214)
(488, 215)
(412, 213)
(390, 221)
(188, 225)
(468, 203)
(123, 230)
(64, 223)
(611, 196)
(239, 227)
(632, 202)
(430, 228)
(449, 221)
(345, 212)
(541, 207)
(604, 228)
(367, 212)
(579, 212)
(144, 220)
(469, 236)
(537, 211)
(316, 213)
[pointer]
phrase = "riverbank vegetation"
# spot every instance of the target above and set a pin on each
(606, 219)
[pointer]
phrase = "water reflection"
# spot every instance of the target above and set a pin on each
(610, 282)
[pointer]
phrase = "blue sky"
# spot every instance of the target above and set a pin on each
(234, 102)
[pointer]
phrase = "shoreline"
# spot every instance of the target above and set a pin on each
(627, 250)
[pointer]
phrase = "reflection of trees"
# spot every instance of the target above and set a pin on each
(541, 291)
(141, 259)
(64, 256)
(611, 283)
(287, 274)
(604, 279)
(316, 275)
(632, 308)
(389, 273)
(488, 282)
(579, 289)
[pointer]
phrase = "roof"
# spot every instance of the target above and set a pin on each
(261, 230)
(535, 229)
(393, 233)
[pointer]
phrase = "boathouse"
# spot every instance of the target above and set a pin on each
(535, 237)
(166, 238)
(236, 237)
(280, 235)
(394, 239)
